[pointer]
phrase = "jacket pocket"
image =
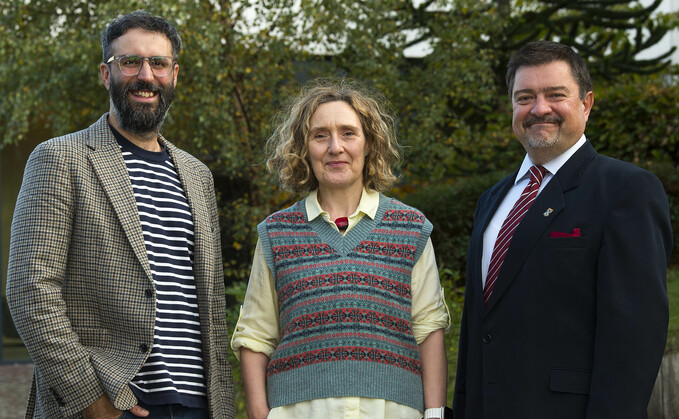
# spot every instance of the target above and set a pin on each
(581, 242)
(570, 381)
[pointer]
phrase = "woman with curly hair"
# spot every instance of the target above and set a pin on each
(343, 316)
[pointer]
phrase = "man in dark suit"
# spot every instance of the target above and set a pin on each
(115, 278)
(565, 312)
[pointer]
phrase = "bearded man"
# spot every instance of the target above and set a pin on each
(115, 279)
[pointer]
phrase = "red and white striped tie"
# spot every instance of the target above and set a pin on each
(507, 230)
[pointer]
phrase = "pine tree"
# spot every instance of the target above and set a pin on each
(608, 33)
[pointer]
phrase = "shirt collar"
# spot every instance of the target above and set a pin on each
(370, 201)
(553, 165)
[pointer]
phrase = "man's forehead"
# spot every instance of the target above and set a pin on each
(556, 66)
(555, 74)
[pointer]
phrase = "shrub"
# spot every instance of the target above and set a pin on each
(450, 208)
(637, 120)
(668, 173)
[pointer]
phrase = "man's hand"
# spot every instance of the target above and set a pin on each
(102, 408)
(139, 411)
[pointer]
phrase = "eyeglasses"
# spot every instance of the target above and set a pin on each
(130, 65)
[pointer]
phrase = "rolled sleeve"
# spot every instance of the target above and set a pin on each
(429, 309)
(257, 327)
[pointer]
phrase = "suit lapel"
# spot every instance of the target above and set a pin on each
(109, 166)
(495, 197)
(486, 209)
(546, 208)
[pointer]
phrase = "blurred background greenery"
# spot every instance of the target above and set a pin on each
(440, 63)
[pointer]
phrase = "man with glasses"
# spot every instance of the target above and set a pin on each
(115, 277)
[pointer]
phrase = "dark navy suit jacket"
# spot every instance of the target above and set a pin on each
(576, 326)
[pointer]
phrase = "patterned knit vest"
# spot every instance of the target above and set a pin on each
(344, 305)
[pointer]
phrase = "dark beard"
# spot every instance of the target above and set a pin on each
(140, 118)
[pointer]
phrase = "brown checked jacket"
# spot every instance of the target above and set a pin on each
(79, 284)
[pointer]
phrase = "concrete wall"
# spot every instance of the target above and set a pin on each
(664, 403)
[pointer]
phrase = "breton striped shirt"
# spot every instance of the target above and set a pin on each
(173, 373)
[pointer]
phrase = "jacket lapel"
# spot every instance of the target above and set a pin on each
(495, 197)
(486, 207)
(546, 208)
(109, 166)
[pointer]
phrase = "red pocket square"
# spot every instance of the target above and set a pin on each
(556, 234)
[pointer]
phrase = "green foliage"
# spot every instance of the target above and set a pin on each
(450, 208)
(609, 33)
(235, 295)
(48, 67)
(455, 300)
(649, 131)
(242, 60)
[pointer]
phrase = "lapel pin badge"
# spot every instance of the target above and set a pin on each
(549, 211)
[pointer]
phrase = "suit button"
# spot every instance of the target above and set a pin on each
(60, 401)
(143, 347)
(487, 338)
(148, 293)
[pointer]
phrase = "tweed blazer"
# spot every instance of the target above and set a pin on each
(79, 284)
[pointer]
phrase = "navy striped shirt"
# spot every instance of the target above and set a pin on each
(173, 373)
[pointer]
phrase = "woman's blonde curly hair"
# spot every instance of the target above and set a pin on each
(287, 150)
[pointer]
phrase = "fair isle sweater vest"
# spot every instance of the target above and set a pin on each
(344, 305)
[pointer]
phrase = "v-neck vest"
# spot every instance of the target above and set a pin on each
(344, 305)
